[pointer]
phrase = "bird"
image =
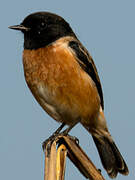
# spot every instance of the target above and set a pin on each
(63, 78)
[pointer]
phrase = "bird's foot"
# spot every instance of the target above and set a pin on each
(48, 142)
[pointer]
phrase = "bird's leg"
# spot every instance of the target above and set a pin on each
(52, 136)
(50, 140)
(66, 131)
(58, 130)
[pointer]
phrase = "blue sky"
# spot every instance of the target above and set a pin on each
(107, 30)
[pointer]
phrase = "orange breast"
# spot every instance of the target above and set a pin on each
(54, 76)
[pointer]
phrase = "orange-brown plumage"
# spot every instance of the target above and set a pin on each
(56, 69)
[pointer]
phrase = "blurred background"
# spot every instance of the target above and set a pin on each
(107, 30)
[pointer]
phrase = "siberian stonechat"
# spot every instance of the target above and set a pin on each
(63, 78)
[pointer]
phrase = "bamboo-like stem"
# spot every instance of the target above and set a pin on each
(55, 159)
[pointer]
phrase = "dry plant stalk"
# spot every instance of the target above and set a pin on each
(55, 159)
(55, 162)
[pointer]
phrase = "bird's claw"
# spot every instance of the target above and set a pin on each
(46, 145)
(48, 142)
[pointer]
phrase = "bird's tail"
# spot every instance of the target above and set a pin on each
(110, 156)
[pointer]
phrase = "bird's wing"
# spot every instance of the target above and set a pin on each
(87, 64)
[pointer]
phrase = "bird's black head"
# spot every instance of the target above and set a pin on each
(43, 28)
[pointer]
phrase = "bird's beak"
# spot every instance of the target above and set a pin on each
(19, 28)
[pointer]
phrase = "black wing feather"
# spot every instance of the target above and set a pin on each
(87, 63)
